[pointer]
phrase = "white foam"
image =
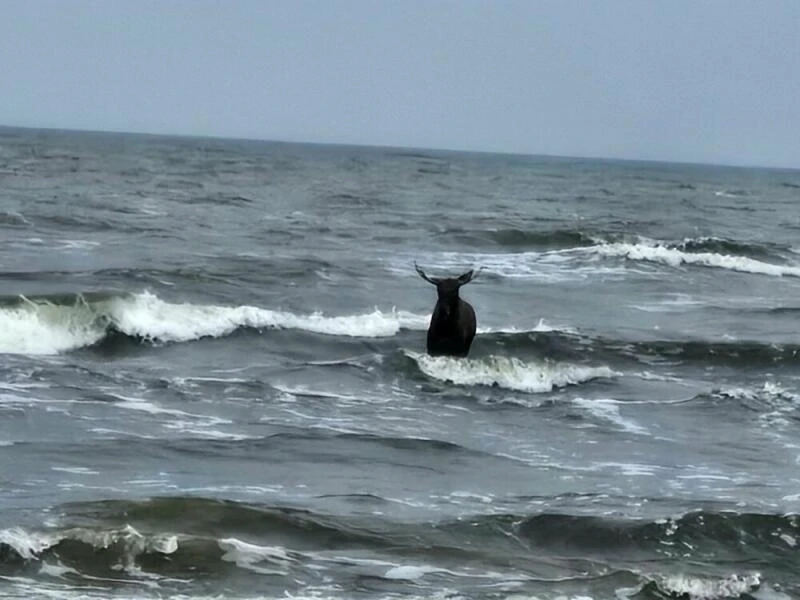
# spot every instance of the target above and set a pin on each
(569, 264)
(302, 391)
(650, 376)
(408, 572)
(77, 245)
(771, 392)
(551, 266)
(135, 542)
(251, 556)
(669, 305)
(699, 588)
(46, 329)
(154, 409)
(766, 592)
(540, 327)
(148, 316)
(76, 470)
(56, 570)
(629, 469)
(189, 424)
(608, 410)
(779, 402)
(525, 265)
(27, 545)
(660, 253)
(508, 373)
(458, 495)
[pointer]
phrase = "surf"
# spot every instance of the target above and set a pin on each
(659, 252)
(592, 256)
(58, 324)
(533, 377)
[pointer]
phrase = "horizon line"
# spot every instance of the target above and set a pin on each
(234, 138)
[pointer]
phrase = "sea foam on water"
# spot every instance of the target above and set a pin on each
(42, 327)
(507, 372)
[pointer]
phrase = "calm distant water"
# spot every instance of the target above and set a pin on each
(213, 379)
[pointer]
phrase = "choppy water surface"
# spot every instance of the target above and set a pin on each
(213, 380)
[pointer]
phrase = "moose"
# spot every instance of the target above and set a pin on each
(452, 326)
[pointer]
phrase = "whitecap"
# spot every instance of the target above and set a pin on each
(509, 373)
(42, 328)
(700, 588)
(26, 544)
(660, 253)
(776, 403)
(147, 316)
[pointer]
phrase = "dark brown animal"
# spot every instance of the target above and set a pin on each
(452, 326)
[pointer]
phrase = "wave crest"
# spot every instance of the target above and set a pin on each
(191, 536)
(675, 257)
(569, 262)
(149, 317)
(507, 372)
(53, 325)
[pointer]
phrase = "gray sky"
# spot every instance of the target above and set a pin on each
(689, 80)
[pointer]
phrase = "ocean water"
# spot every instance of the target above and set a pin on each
(213, 378)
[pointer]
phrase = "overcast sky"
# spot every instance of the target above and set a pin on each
(688, 80)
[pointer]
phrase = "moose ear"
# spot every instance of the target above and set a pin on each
(466, 277)
(433, 280)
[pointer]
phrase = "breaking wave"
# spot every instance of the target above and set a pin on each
(507, 372)
(51, 326)
(706, 588)
(720, 245)
(62, 323)
(184, 537)
(675, 257)
(57, 324)
(570, 261)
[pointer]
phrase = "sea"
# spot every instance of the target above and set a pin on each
(214, 380)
